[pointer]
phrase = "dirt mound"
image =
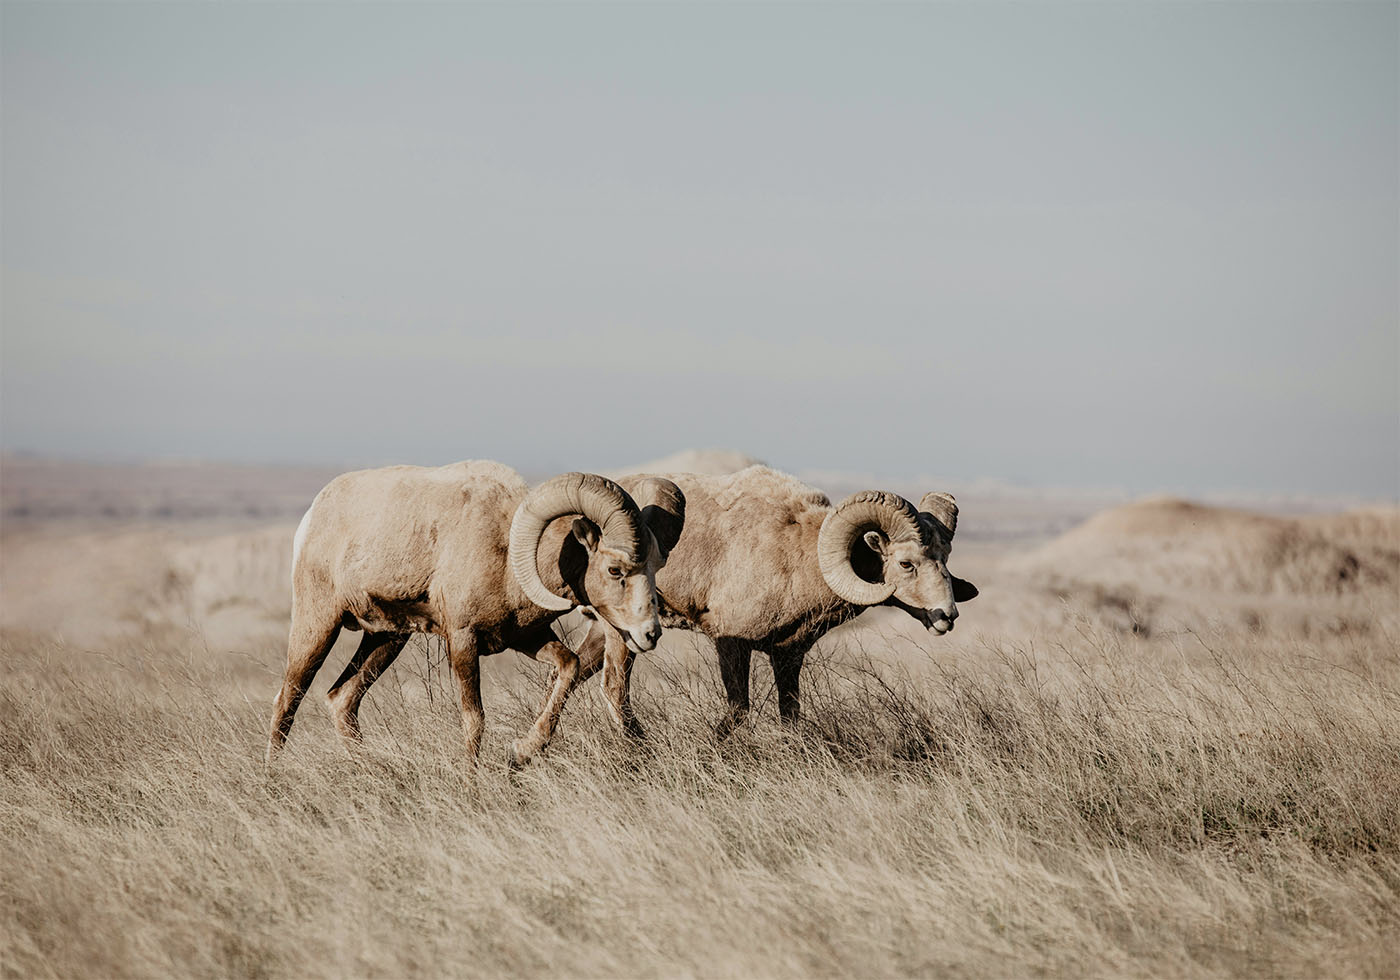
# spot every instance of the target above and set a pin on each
(708, 462)
(1370, 527)
(1169, 544)
(1168, 562)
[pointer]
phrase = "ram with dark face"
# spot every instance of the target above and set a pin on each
(468, 553)
(767, 563)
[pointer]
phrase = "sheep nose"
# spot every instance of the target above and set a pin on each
(950, 614)
(654, 635)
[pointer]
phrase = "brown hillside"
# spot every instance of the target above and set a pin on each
(1164, 545)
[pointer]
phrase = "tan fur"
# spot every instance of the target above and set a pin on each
(746, 564)
(745, 572)
(409, 534)
(408, 549)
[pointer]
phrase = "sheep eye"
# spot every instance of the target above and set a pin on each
(908, 566)
(615, 572)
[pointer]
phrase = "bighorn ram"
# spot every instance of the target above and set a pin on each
(768, 564)
(464, 552)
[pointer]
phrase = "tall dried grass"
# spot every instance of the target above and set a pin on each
(1088, 804)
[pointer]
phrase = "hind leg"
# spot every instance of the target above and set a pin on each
(376, 652)
(787, 667)
(734, 657)
(464, 654)
(312, 636)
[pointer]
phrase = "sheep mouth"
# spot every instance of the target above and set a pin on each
(935, 623)
(933, 620)
(643, 645)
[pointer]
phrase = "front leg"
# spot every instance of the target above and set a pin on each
(563, 677)
(590, 654)
(616, 661)
(604, 649)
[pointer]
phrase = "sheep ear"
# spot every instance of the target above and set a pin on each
(963, 590)
(586, 533)
(875, 541)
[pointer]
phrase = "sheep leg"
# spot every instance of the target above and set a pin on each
(564, 675)
(734, 656)
(590, 653)
(787, 665)
(376, 652)
(310, 641)
(592, 658)
(617, 680)
(630, 724)
(463, 652)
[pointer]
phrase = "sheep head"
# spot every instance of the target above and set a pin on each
(876, 548)
(609, 562)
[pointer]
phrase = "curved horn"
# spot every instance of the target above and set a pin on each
(943, 508)
(663, 510)
(858, 513)
(600, 500)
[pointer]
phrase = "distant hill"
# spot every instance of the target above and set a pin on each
(1166, 544)
(1165, 562)
(36, 491)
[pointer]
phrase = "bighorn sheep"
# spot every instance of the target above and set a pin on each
(768, 564)
(464, 552)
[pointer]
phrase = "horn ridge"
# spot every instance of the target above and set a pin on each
(663, 510)
(597, 498)
(942, 507)
(858, 513)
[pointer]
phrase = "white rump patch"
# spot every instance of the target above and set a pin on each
(300, 539)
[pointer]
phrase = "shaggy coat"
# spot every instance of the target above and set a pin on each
(408, 549)
(746, 574)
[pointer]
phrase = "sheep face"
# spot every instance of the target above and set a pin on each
(923, 586)
(615, 587)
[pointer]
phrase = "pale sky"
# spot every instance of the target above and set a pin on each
(1147, 246)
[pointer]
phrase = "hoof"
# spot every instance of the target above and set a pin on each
(725, 727)
(351, 736)
(513, 759)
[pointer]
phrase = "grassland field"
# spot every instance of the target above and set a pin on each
(1146, 750)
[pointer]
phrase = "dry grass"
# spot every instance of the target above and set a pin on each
(1091, 804)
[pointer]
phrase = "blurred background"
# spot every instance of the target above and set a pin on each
(1148, 247)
